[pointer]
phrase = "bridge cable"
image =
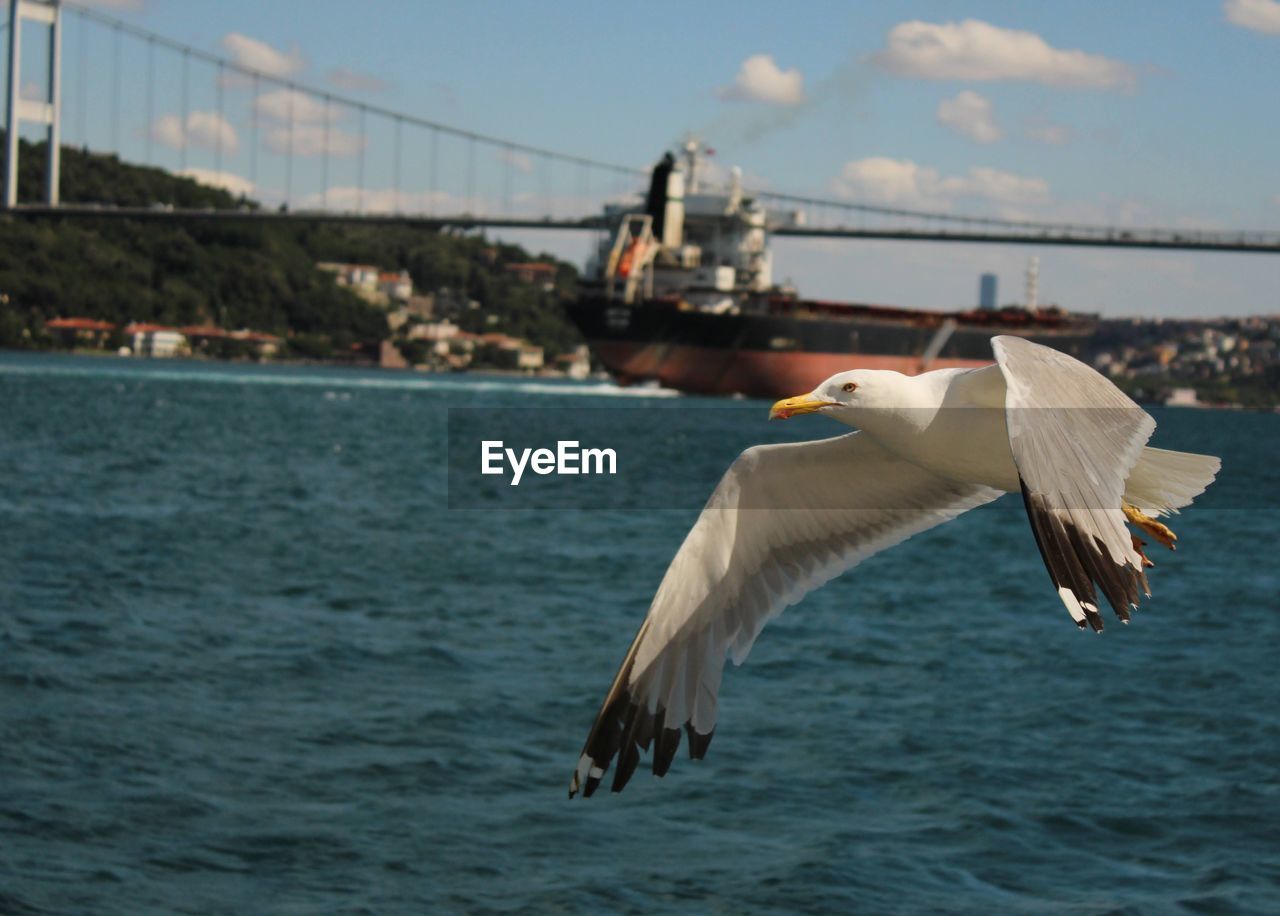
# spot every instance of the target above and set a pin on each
(186, 111)
(222, 120)
(435, 161)
(396, 166)
(364, 142)
(471, 175)
(115, 95)
(324, 156)
(508, 161)
(82, 86)
(253, 136)
(151, 101)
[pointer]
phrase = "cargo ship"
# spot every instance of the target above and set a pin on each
(680, 292)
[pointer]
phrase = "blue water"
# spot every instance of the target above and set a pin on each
(251, 662)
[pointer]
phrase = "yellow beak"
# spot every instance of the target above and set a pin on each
(790, 407)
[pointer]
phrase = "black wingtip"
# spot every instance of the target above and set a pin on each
(666, 743)
(698, 744)
(628, 758)
(1076, 562)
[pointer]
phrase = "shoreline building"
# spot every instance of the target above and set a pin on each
(156, 340)
(85, 332)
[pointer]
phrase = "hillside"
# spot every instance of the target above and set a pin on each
(244, 274)
(1225, 360)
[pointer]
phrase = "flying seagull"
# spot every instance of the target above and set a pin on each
(787, 518)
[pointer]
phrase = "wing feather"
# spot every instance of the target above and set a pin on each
(1075, 438)
(783, 520)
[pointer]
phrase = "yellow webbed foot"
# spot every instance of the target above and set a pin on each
(1148, 524)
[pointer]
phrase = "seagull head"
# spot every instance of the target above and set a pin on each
(839, 395)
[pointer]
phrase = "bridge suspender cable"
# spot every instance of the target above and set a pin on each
(827, 218)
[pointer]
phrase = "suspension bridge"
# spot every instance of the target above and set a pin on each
(306, 153)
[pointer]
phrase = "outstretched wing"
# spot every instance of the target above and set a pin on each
(1075, 437)
(783, 520)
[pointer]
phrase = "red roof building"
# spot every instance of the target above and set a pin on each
(78, 324)
(79, 331)
(205, 331)
(504, 341)
(533, 272)
(142, 327)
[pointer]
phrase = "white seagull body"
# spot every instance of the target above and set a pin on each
(787, 518)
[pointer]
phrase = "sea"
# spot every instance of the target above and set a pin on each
(263, 651)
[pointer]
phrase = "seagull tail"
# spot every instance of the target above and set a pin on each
(1163, 481)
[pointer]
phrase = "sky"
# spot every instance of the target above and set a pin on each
(1137, 113)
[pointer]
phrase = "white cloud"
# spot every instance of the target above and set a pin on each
(1258, 15)
(517, 160)
(167, 129)
(205, 129)
(260, 56)
(902, 182)
(1276, 199)
(227, 181)
(975, 50)
(1049, 133)
(879, 178)
(970, 115)
(354, 81)
(760, 79)
(994, 184)
(313, 140)
(284, 104)
(210, 129)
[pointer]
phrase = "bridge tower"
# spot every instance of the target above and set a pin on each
(19, 109)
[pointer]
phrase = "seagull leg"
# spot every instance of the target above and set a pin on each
(1148, 524)
(1138, 544)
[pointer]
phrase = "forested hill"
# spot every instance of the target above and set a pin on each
(238, 274)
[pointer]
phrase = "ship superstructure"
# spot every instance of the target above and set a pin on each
(708, 246)
(680, 290)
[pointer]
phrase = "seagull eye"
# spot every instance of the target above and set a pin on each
(849, 386)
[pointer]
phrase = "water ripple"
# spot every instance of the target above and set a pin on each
(250, 662)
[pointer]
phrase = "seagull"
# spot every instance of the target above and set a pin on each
(787, 518)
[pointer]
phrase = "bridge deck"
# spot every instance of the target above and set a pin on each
(1095, 237)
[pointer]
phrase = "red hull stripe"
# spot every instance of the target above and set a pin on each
(755, 373)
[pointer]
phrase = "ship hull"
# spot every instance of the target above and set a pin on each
(772, 355)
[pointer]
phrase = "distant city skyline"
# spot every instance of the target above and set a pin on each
(1131, 114)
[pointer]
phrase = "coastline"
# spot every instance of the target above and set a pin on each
(544, 375)
(295, 362)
